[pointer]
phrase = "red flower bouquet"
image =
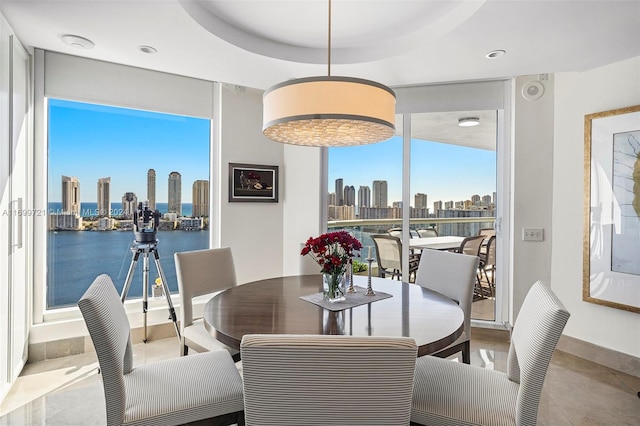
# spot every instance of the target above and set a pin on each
(332, 251)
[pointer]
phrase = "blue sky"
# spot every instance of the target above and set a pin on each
(442, 171)
(93, 141)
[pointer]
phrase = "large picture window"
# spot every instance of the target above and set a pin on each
(103, 162)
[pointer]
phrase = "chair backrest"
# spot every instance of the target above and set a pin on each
(110, 332)
(427, 232)
(327, 380)
(450, 274)
(395, 232)
(202, 272)
(536, 331)
(388, 251)
(491, 251)
(471, 245)
(487, 232)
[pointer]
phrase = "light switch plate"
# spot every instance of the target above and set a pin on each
(532, 234)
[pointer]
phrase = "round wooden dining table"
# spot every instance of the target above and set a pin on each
(274, 306)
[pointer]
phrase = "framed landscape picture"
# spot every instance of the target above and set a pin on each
(611, 245)
(253, 183)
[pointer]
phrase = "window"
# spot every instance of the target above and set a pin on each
(103, 161)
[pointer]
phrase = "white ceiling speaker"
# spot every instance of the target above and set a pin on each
(532, 90)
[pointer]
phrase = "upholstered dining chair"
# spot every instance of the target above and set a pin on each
(389, 257)
(327, 380)
(452, 275)
(451, 393)
(171, 392)
(202, 272)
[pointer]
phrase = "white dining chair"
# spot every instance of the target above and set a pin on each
(202, 272)
(451, 393)
(452, 275)
(171, 392)
(327, 380)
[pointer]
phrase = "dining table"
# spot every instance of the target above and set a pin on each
(436, 243)
(276, 306)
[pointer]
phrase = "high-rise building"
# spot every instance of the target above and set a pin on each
(332, 199)
(349, 195)
(339, 192)
(448, 205)
(486, 200)
(200, 199)
(151, 189)
(364, 196)
(129, 204)
(420, 201)
(175, 193)
(70, 195)
(104, 197)
(380, 194)
(437, 205)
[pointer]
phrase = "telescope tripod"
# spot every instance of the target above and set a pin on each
(144, 249)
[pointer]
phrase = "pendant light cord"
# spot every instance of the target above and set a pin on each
(329, 44)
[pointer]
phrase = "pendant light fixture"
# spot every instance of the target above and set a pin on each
(329, 111)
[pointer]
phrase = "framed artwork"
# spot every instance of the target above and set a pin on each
(611, 245)
(253, 183)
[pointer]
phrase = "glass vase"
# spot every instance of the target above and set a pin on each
(333, 287)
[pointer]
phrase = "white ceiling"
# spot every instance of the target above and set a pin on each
(258, 43)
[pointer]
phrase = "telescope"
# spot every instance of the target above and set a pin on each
(145, 224)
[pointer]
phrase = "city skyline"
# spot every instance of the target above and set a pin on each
(72, 190)
(442, 171)
(90, 141)
(417, 200)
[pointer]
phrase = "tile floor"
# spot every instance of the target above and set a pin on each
(68, 391)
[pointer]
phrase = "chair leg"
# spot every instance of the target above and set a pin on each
(466, 352)
(185, 350)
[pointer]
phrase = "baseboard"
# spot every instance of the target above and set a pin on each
(79, 345)
(496, 334)
(619, 361)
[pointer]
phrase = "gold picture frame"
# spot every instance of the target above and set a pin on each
(611, 243)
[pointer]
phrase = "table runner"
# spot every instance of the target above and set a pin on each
(352, 299)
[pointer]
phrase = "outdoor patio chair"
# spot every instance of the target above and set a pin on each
(389, 257)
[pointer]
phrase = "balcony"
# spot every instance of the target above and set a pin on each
(362, 229)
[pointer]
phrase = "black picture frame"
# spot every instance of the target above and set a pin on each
(253, 183)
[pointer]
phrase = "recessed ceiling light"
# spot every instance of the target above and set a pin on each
(494, 54)
(468, 121)
(77, 41)
(147, 49)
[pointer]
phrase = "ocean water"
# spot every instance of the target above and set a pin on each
(75, 258)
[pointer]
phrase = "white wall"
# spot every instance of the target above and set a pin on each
(302, 210)
(531, 198)
(576, 94)
(254, 231)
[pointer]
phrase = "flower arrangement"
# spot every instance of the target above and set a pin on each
(332, 251)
